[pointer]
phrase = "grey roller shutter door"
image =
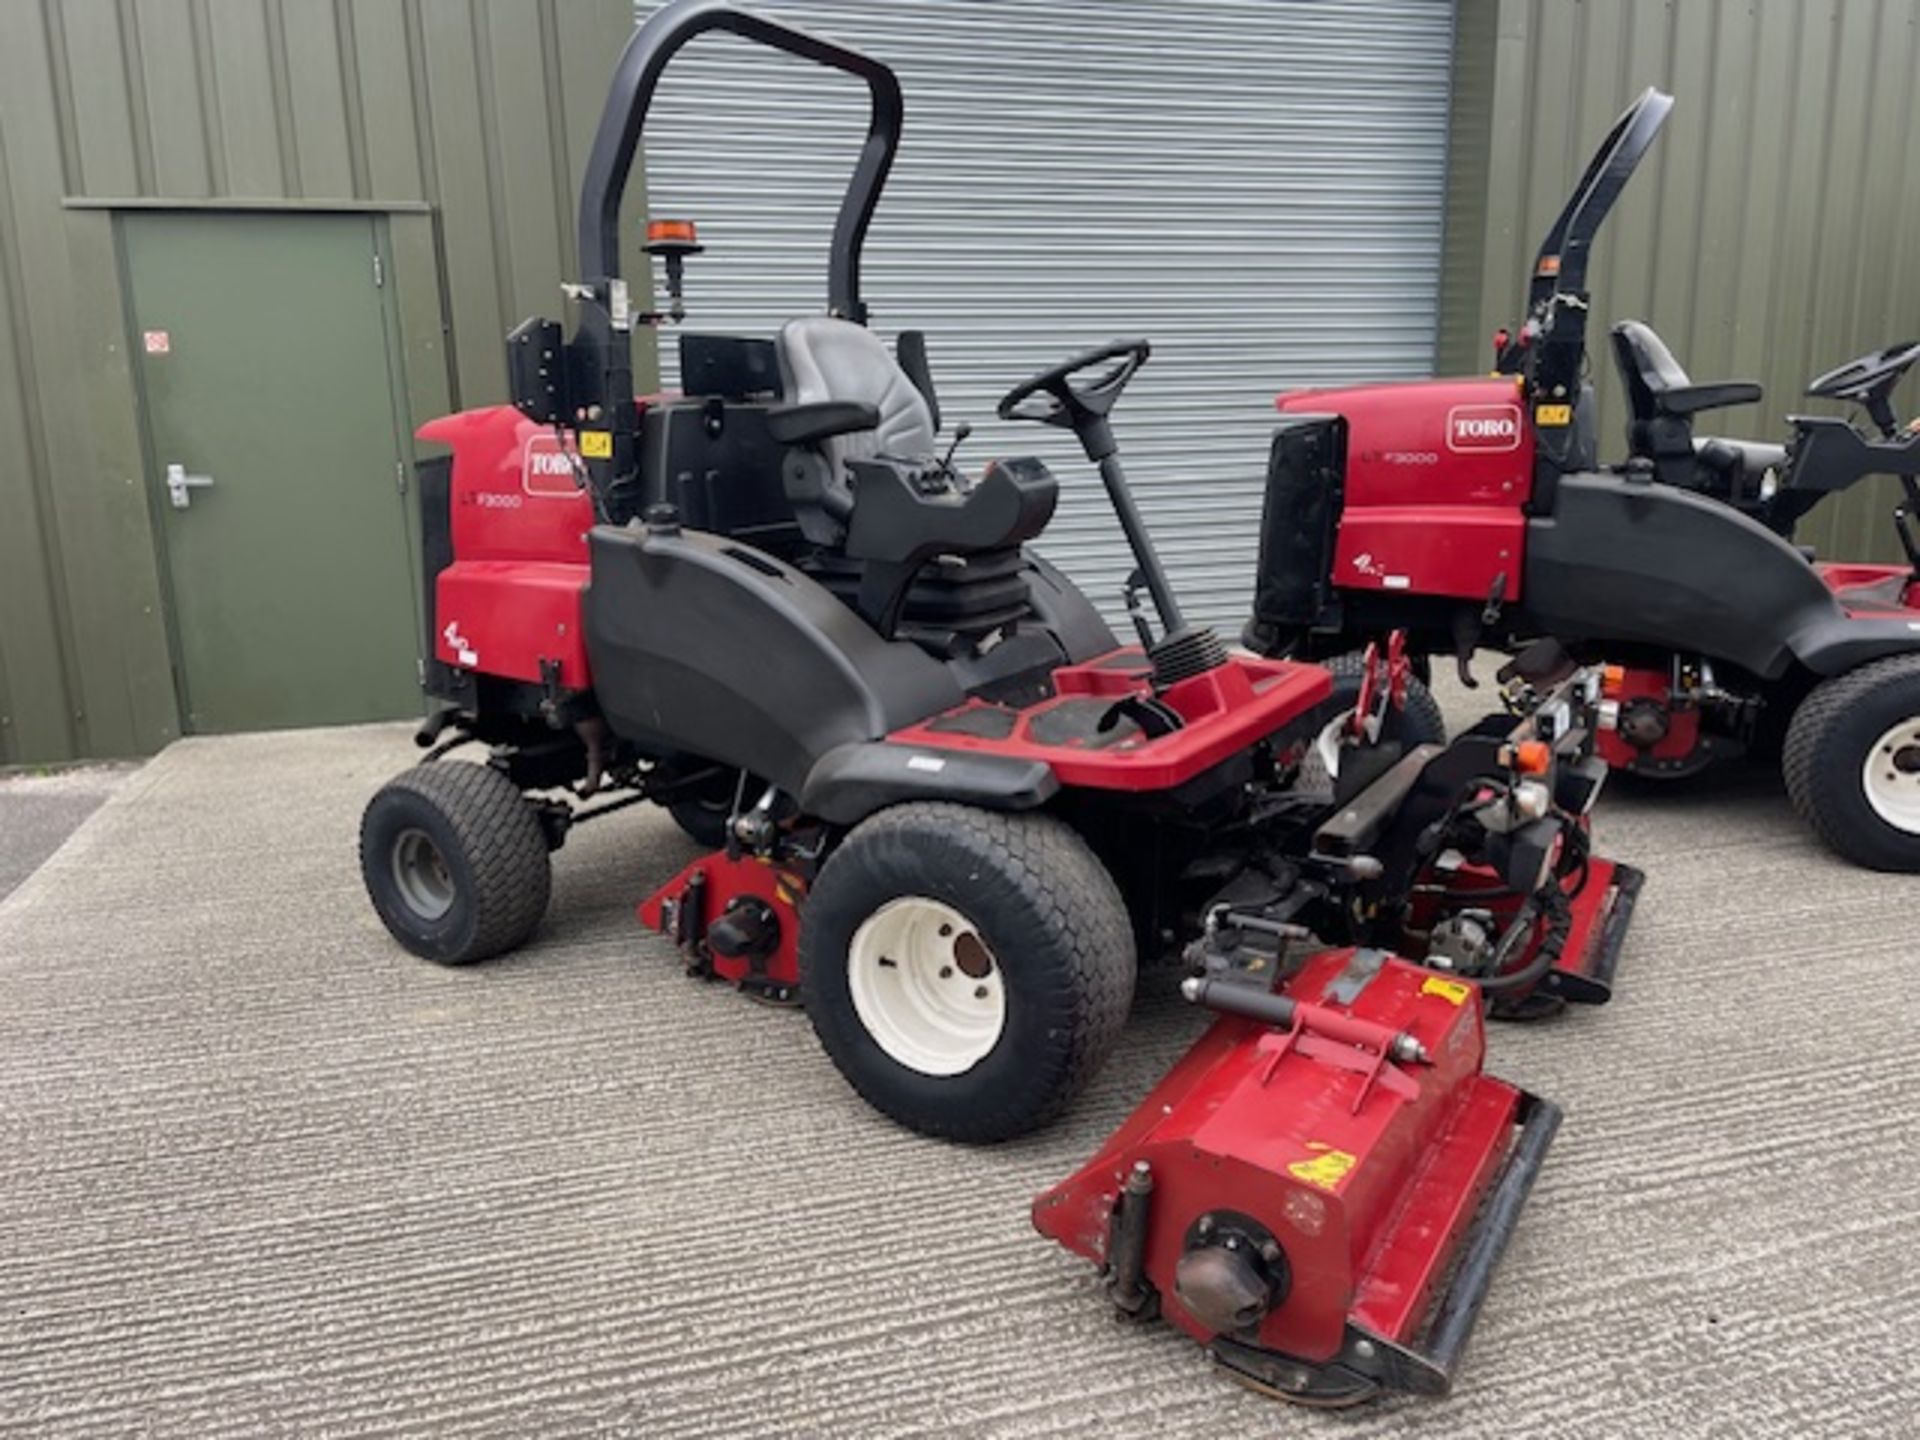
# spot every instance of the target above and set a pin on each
(1256, 187)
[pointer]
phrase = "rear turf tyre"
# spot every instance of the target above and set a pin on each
(1852, 763)
(455, 861)
(966, 970)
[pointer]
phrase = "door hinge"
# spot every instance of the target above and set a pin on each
(400, 475)
(379, 271)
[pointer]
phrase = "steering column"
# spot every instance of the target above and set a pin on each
(1056, 397)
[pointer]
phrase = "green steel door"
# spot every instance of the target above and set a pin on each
(274, 457)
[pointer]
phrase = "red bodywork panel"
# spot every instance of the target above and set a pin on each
(1437, 473)
(1226, 710)
(1368, 1182)
(686, 906)
(1848, 581)
(511, 598)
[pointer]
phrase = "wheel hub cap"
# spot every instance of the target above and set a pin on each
(926, 986)
(1891, 776)
(420, 874)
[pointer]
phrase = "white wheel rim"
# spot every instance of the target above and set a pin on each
(1891, 776)
(926, 987)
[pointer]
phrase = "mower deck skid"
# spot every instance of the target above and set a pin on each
(1601, 899)
(1294, 1196)
(1602, 911)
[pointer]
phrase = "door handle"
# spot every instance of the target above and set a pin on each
(180, 485)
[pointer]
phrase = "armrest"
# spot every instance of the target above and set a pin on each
(820, 420)
(1691, 399)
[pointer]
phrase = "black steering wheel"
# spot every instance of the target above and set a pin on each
(1857, 378)
(1869, 381)
(1052, 398)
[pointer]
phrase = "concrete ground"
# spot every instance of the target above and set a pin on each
(265, 1173)
(39, 811)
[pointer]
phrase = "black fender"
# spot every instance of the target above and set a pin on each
(1638, 561)
(852, 782)
(1830, 646)
(706, 645)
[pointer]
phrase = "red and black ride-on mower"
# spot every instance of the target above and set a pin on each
(1474, 512)
(949, 811)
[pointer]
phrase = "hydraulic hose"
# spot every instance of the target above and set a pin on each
(1559, 912)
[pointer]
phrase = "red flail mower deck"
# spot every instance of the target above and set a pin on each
(1298, 1190)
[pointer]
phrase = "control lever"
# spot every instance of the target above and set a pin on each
(1903, 523)
(960, 433)
(1130, 598)
(1466, 638)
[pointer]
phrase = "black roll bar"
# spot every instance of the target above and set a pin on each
(637, 76)
(1562, 261)
(593, 378)
(1551, 347)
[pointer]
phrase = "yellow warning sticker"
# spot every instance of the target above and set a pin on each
(1452, 991)
(1553, 414)
(1327, 1168)
(596, 444)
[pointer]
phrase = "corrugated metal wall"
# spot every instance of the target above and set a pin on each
(481, 109)
(1769, 235)
(1255, 185)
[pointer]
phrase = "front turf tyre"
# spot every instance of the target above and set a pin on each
(1852, 763)
(455, 861)
(966, 970)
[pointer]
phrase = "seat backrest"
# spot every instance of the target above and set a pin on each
(1646, 366)
(822, 358)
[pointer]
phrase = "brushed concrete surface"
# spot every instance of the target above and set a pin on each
(39, 812)
(266, 1174)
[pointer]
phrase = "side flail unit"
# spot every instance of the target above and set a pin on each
(1294, 1193)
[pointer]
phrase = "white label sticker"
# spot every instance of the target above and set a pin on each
(1396, 582)
(925, 762)
(464, 653)
(158, 342)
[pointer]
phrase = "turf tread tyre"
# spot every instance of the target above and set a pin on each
(1827, 741)
(492, 843)
(1419, 720)
(1056, 923)
(701, 822)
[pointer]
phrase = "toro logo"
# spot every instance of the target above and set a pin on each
(1483, 427)
(547, 469)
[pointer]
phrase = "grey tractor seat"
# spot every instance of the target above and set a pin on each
(826, 360)
(867, 485)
